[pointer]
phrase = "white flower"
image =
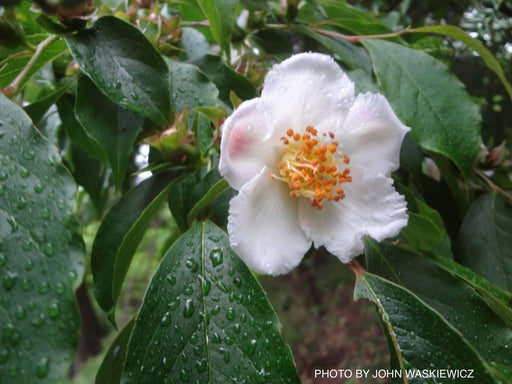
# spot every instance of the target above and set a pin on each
(311, 163)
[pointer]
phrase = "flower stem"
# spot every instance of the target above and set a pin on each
(493, 186)
(356, 267)
(13, 88)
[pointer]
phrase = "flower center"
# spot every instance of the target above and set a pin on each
(311, 167)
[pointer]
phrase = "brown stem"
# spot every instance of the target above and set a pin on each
(493, 186)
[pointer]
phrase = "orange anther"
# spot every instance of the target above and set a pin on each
(289, 132)
(296, 136)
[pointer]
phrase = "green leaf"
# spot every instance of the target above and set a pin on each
(485, 239)
(37, 110)
(194, 43)
(452, 299)
(423, 338)
(429, 99)
(90, 174)
(111, 126)
(193, 194)
(226, 79)
(215, 191)
(499, 300)
(41, 255)
(206, 319)
(111, 367)
(221, 15)
(75, 131)
(190, 87)
(14, 66)
(120, 233)
(475, 44)
(425, 229)
(125, 66)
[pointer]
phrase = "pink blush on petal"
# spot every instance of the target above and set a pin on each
(240, 141)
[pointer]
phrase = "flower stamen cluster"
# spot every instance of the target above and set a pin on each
(312, 168)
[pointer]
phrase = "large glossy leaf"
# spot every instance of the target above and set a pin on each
(111, 126)
(205, 319)
(429, 99)
(190, 87)
(485, 239)
(473, 43)
(221, 15)
(226, 79)
(120, 233)
(125, 66)
(41, 254)
(423, 338)
(453, 300)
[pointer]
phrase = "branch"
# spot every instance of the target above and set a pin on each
(14, 87)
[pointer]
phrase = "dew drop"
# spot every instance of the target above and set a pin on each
(48, 250)
(59, 288)
(198, 350)
(54, 311)
(230, 313)
(225, 354)
(194, 338)
(252, 347)
(216, 338)
(42, 367)
(43, 288)
(29, 266)
(192, 265)
(174, 304)
(38, 188)
(25, 173)
(9, 280)
(215, 239)
(216, 256)
(19, 313)
(171, 279)
(38, 321)
(3, 176)
(188, 290)
(46, 214)
(14, 225)
(166, 320)
(3, 259)
(215, 309)
(184, 375)
(189, 308)
(201, 365)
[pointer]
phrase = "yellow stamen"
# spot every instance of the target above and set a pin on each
(311, 168)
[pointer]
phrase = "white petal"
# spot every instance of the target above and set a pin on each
(308, 89)
(245, 145)
(264, 227)
(371, 207)
(372, 134)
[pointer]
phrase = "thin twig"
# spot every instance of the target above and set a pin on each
(493, 186)
(14, 87)
(356, 39)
